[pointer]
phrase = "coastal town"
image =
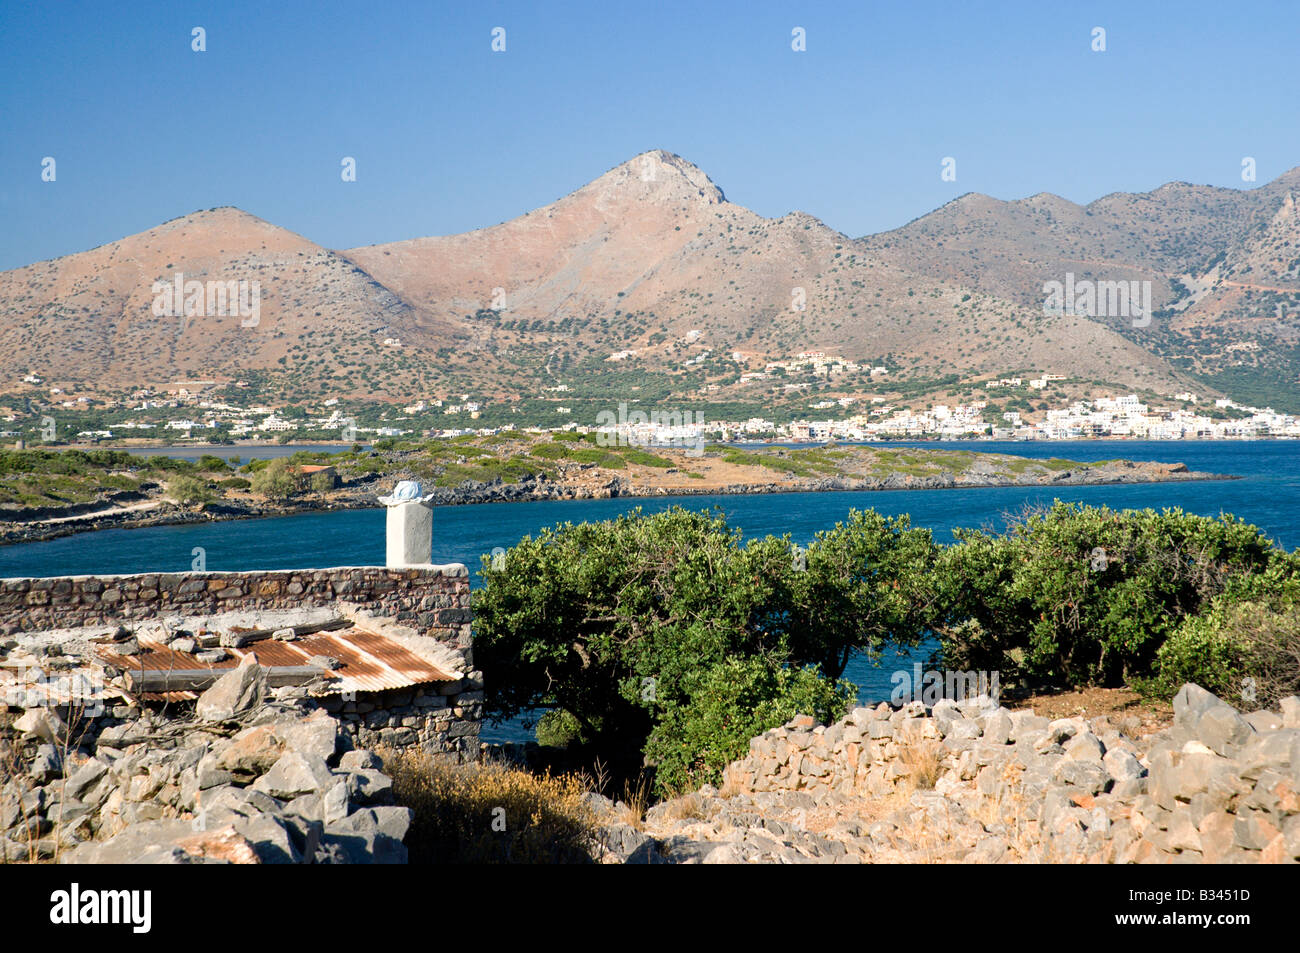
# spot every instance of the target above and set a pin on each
(191, 411)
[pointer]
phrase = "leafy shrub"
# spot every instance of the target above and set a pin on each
(189, 491)
(600, 457)
(734, 701)
(488, 813)
(1087, 595)
(234, 483)
(551, 451)
(210, 462)
(275, 481)
(1247, 653)
(866, 584)
(170, 464)
(646, 459)
(558, 729)
(587, 617)
(117, 481)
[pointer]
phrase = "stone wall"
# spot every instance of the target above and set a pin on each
(1218, 786)
(972, 782)
(433, 600)
(443, 718)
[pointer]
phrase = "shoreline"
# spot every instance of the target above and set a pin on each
(360, 497)
(219, 449)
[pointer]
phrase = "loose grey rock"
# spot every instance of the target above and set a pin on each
(294, 774)
(998, 727)
(1084, 746)
(1122, 765)
(360, 760)
(369, 787)
(85, 777)
(238, 691)
(393, 822)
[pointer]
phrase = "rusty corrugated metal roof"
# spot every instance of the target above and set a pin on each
(370, 662)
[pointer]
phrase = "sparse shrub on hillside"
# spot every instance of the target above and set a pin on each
(213, 463)
(275, 481)
(190, 491)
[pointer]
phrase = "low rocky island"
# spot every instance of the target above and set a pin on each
(46, 494)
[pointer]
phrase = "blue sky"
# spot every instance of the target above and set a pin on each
(450, 136)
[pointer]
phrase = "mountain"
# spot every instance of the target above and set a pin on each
(648, 281)
(89, 318)
(1220, 262)
(651, 258)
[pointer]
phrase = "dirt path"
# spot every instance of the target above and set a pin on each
(1241, 284)
(111, 511)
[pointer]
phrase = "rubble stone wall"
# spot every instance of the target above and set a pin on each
(1218, 786)
(443, 718)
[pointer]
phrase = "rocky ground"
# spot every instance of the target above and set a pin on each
(248, 778)
(242, 781)
(972, 782)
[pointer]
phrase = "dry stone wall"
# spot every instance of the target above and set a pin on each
(973, 782)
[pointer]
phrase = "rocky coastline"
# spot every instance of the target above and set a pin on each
(361, 494)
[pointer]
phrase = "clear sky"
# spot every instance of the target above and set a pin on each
(449, 135)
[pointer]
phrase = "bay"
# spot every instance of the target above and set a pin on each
(1266, 494)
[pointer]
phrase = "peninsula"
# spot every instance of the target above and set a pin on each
(45, 494)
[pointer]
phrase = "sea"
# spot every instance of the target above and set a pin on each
(1266, 493)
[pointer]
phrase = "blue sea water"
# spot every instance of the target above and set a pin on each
(1267, 494)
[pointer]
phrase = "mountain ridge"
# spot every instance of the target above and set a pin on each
(618, 273)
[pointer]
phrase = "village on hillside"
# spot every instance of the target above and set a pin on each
(187, 411)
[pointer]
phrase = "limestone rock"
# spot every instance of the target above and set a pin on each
(239, 690)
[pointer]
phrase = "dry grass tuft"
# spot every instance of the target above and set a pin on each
(490, 813)
(688, 807)
(635, 801)
(924, 763)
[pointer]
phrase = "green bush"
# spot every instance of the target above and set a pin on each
(558, 729)
(646, 459)
(1087, 595)
(189, 491)
(734, 701)
(210, 462)
(866, 584)
(275, 481)
(1247, 653)
(551, 451)
(616, 622)
(1204, 650)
